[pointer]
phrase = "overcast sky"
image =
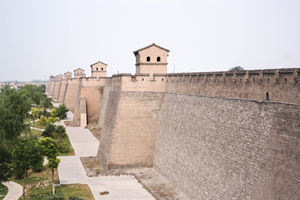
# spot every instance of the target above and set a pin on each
(39, 38)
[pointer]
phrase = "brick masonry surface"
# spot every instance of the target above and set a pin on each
(214, 148)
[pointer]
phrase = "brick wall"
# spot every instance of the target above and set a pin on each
(62, 92)
(282, 85)
(214, 148)
(130, 127)
(72, 93)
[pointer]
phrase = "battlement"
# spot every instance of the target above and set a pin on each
(270, 84)
(139, 82)
(245, 75)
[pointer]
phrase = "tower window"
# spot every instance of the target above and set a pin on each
(158, 59)
(101, 69)
(148, 59)
(97, 69)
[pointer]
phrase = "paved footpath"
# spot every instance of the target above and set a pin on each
(15, 190)
(71, 170)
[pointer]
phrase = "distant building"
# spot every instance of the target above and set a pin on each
(68, 75)
(98, 69)
(79, 73)
(151, 59)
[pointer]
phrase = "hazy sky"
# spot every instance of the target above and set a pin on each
(39, 38)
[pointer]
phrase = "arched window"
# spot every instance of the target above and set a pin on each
(101, 69)
(148, 59)
(158, 59)
(97, 69)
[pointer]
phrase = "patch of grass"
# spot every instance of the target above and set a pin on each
(35, 133)
(3, 191)
(68, 149)
(37, 125)
(77, 190)
(36, 177)
(27, 120)
(37, 180)
(66, 191)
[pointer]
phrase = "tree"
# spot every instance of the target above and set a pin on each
(237, 68)
(50, 151)
(14, 108)
(34, 93)
(5, 159)
(46, 102)
(48, 132)
(26, 154)
(61, 111)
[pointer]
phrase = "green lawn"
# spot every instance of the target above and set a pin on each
(37, 125)
(66, 191)
(3, 191)
(35, 133)
(39, 187)
(64, 143)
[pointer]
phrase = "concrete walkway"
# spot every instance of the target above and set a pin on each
(15, 190)
(71, 170)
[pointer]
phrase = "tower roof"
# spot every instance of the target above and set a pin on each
(78, 69)
(137, 51)
(98, 62)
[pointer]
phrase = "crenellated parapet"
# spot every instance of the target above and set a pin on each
(139, 82)
(271, 84)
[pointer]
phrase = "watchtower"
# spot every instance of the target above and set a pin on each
(68, 75)
(151, 59)
(98, 69)
(78, 73)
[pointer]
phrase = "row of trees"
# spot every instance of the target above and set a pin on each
(18, 151)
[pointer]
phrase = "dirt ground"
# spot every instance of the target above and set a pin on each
(155, 183)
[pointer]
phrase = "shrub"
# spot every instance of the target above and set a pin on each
(61, 111)
(63, 146)
(38, 167)
(48, 132)
(35, 112)
(45, 121)
(60, 131)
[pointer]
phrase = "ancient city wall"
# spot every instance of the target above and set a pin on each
(63, 88)
(92, 90)
(104, 106)
(72, 94)
(52, 88)
(55, 89)
(141, 82)
(129, 129)
(210, 147)
(282, 85)
(48, 87)
(215, 148)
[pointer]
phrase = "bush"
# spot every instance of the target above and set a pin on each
(61, 111)
(38, 167)
(63, 146)
(48, 132)
(54, 131)
(61, 131)
(45, 121)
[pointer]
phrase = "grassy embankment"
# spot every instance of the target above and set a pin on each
(39, 187)
(3, 191)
